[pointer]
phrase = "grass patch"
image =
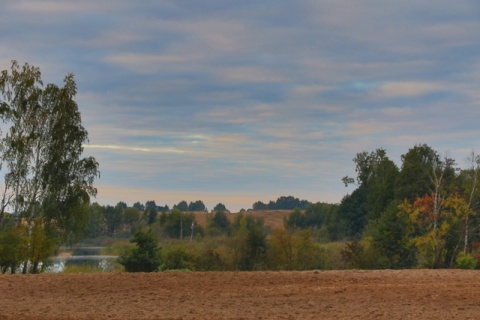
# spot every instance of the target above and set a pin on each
(81, 269)
(117, 248)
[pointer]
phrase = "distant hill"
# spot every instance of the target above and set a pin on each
(272, 218)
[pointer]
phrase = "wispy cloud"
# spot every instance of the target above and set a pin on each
(408, 89)
(240, 102)
(139, 149)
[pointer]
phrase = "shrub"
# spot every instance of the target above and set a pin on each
(466, 261)
(143, 258)
(178, 259)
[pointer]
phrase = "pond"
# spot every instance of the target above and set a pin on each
(88, 257)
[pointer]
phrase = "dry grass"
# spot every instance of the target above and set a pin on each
(272, 218)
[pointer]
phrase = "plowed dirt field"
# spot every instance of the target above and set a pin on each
(406, 294)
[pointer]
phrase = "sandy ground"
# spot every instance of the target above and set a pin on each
(407, 294)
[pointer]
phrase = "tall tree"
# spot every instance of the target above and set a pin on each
(415, 178)
(377, 174)
(469, 180)
(197, 206)
(220, 207)
(46, 179)
(182, 206)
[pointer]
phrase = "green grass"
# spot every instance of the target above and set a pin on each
(117, 248)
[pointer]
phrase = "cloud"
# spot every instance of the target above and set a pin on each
(408, 89)
(397, 112)
(136, 149)
(245, 100)
(54, 7)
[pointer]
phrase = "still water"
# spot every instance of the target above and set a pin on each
(89, 257)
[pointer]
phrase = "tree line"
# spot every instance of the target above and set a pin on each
(421, 214)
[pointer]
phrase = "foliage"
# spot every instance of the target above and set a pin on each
(414, 179)
(248, 243)
(422, 215)
(390, 237)
(218, 223)
(282, 203)
(117, 248)
(352, 213)
(197, 206)
(466, 261)
(319, 217)
(41, 246)
(295, 219)
(145, 257)
(436, 233)
(113, 219)
(290, 250)
(211, 257)
(220, 207)
(46, 181)
(137, 205)
(178, 258)
(13, 248)
(352, 254)
(178, 224)
(131, 218)
(376, 177)
(181, 206)
(151, 214)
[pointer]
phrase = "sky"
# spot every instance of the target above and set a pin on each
(235, 102)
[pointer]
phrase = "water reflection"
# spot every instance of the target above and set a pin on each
(88, 257)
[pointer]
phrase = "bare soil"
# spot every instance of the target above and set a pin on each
(406, 294)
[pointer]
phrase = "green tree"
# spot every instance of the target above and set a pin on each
(218, 223)
(46, 180)
(376, 174)
(468, 183)
(151, 214)
(131, 218)
(415, 178)
(182, 206)
(255, 257)
(249, 243)
(390, 237)
(322, 218)
(197, 206)
(139, 206)
(295, 219)
(220, 207)
(145, 257)
(13, 247)
(179, 225)
(282, 203)
(113, 220)
(178, 258)
(352, 214)
(96, 221)
(259, 205)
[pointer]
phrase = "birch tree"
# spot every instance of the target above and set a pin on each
(47, 183)
(470, 179)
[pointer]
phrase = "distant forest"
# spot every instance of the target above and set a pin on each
(421, 214)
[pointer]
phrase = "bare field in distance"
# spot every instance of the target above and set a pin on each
(272, 218)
